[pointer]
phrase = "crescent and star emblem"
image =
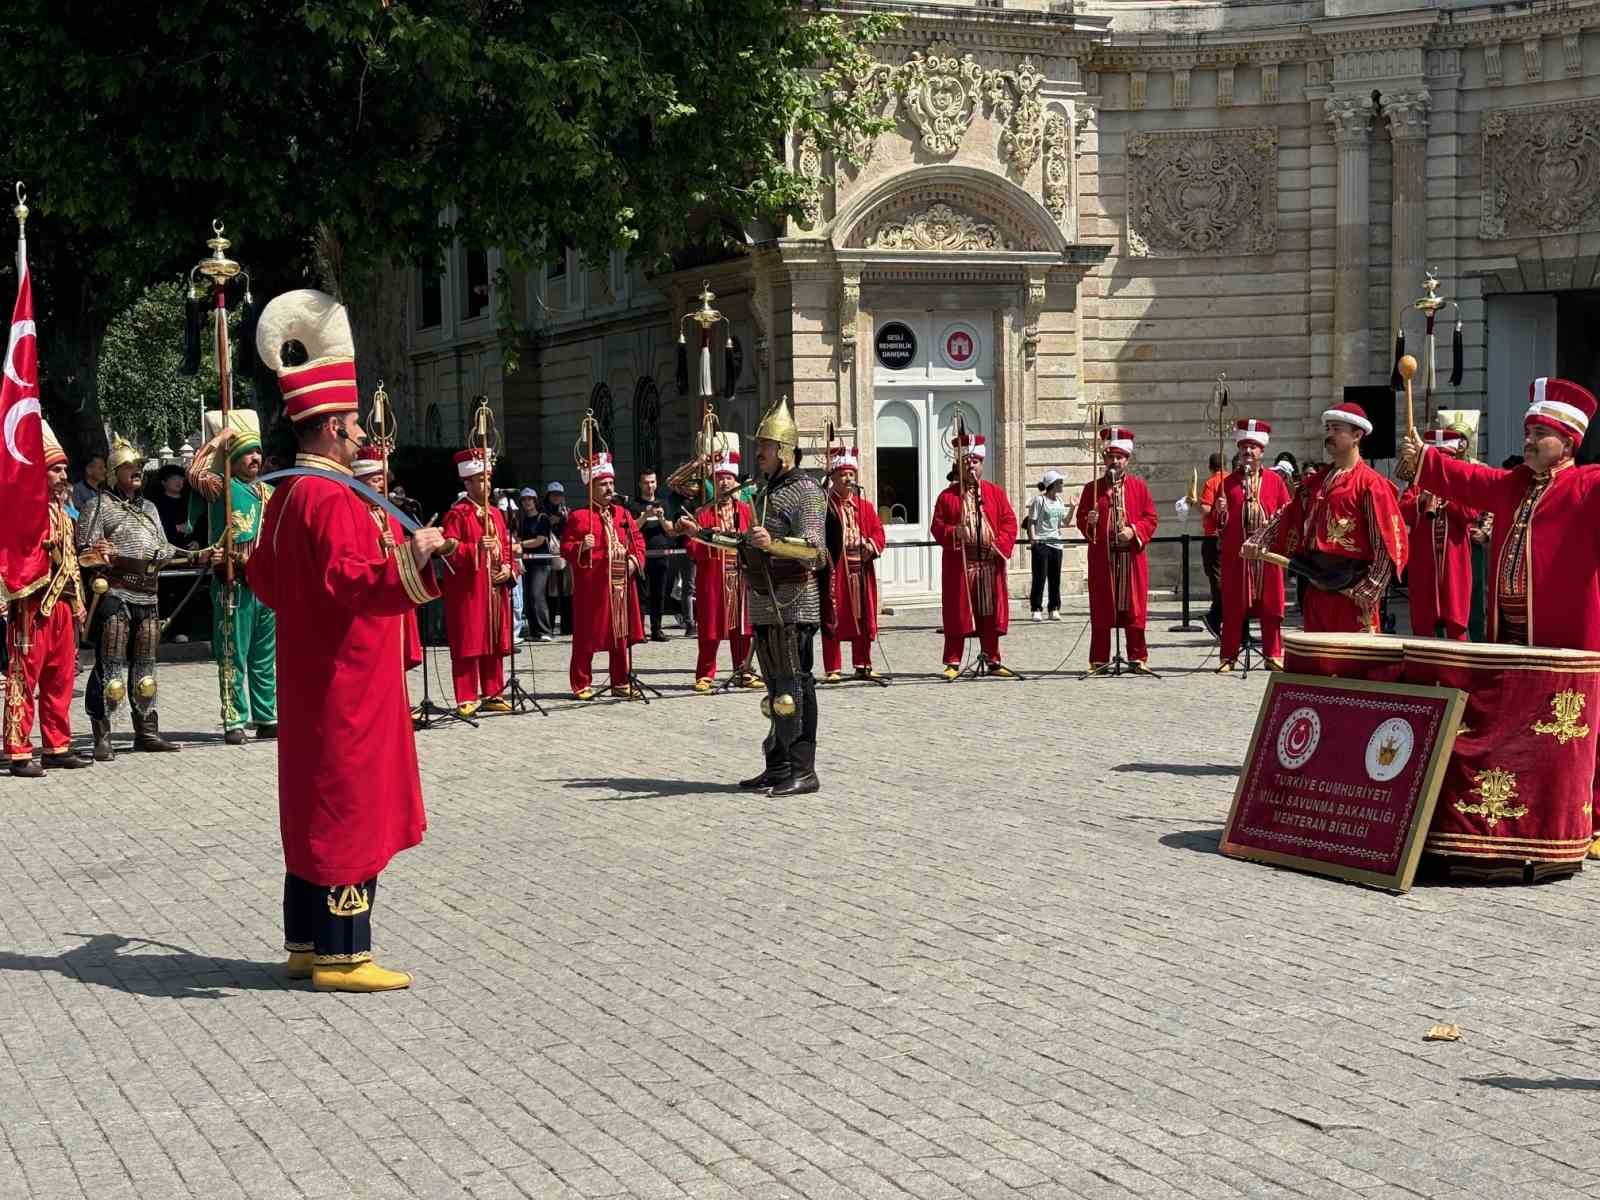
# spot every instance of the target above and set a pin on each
(27, 406)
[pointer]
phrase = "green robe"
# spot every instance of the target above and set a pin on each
(244, 635)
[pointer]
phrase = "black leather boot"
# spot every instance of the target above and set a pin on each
(102, 741)
(25, 768)
(147, 735)
(771, 777)
(65, 761)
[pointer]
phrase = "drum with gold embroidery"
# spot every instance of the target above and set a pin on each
(1518, 796)
(1373, 656)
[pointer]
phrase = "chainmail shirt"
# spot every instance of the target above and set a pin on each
(789, 505)
(134, 530)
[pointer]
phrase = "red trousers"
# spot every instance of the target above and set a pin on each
(1100, 644)
(580, 672)
(988, 642)
(477, 676)
(47, 670)
(1329, 612)
(705, 665)
(861, 652)
(1233, 627)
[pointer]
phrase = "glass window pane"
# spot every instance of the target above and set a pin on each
(897, 426)
(899, 485)
(429, 301)
(476, 301)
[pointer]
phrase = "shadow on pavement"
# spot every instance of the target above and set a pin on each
(648, 789)
(1179, 768)
(1205, 841)
(178, 975)
(1513, 1083)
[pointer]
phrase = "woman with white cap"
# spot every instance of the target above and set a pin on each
(1045, 524)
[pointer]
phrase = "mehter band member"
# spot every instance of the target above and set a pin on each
(975, 525)
(719, 582)
(119, 533)
(349, 797)
(855, 542)
(1343, 527)
(477, 593)
(1118, 517)
(785, 550)
(1439, 561)
(1250, 587)
(42, 641)
(372, 469)
(244, 632)
(606, 551)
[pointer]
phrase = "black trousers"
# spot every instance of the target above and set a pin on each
(785, 655)
(1211, 560)
(536, 599)
(1046, 570)
(334, 923)
(656, 583)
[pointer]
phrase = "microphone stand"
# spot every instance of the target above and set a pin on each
(512, 692)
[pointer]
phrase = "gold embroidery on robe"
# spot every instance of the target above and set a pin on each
(1567, 709)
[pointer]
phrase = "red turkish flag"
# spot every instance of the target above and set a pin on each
(24, 487)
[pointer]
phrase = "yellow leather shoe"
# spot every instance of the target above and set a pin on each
(950, 673)
(1275, 664)
(497, 704)
(1225, 666)
(1001, 672)
(357, 977)
(702, 685)
(1594, 848)
(583, 694)
(469, 709)
(833, 677)
(751, 680)
(300, 962)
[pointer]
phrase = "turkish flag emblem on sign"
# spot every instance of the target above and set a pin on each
(24, 487)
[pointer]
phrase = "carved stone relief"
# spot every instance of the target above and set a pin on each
(1032, 310)
(940, 92)
(1180, 87)
(1224, 86)
(849, 311)
(1269, 83)
(938, 227)
(1541, 169)
(1492, 71)
(1533, 59)
(1572, 46)
(1407, 112)
(1196, 192)
(808, 163)
(1058, 168)
(1137, 81)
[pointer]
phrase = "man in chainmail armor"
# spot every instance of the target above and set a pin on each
(785, 551)
(120, 534)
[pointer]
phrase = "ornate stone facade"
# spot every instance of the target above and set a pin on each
(1212, 191)
(938, 227)
(1541, 167)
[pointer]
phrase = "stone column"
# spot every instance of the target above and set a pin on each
(1351, 116)
(1408, 227)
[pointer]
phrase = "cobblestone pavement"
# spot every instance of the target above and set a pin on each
(997, 956)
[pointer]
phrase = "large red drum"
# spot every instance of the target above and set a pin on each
(1518, 797)
(1373, 656)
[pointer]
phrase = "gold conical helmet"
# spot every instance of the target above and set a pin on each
(778, 426)
(122, 452)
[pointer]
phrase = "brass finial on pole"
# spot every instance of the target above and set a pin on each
(21, 209)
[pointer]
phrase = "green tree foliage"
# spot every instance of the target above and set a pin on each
(144, 394)
(354, 124)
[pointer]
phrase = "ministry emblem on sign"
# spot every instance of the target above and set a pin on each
(1389, 749)
(1298, 738)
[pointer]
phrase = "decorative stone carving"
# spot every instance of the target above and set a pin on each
(1407, 113)
(1269, 83)
(938, 227)
(1136, 88)
(1388, 63)
(849, 311)
(1224, 87)
(1212, 191)
(1058, 169)
(1444, 62)
(1541, 169)
(808, 163)
(940, 93)
(1572, 45)
(1351, 116)
(1180, 87)
(1492, 72)
(1533, 59)
(1032, 309)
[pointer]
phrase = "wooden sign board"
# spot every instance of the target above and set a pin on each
(1342, 777)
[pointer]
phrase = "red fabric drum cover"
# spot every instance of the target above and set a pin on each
(1373, 656)
(1518, 796)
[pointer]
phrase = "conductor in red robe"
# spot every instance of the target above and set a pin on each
(605, 549)
(477, 590)
(975, 525)
(1342, 525)
(722, 596)
(349, 797)
(371, 469)
(1250, 588)
(1118, 517)
(1439, 560)
(1544, 589)
(855, 542)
